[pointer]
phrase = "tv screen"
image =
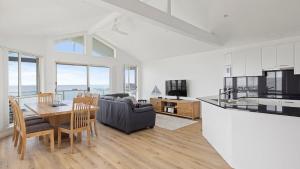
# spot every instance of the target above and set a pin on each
(176, 88)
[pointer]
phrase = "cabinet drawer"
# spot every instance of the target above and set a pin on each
(185, 112)
(291, 103)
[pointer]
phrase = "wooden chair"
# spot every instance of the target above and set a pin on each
(93, 118)
(80, 121)
(28, 121)
(42, 129)
(45, 98)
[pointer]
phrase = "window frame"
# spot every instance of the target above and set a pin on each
(70, 37)
(105, 43)
(136, 79)
(88, 73)
(38, 71)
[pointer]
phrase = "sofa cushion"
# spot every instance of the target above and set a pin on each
(121, 95)
(108, 97)
(133, 99)
(126, 100)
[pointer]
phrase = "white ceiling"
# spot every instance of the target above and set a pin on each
(248, 21)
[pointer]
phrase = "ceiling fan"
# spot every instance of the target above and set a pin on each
(115, 27)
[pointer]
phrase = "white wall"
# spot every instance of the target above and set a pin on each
(204, 72)
(116, 65)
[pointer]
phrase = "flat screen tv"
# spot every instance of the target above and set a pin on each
(176, 88)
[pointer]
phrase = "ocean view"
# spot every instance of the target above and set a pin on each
(67, 91)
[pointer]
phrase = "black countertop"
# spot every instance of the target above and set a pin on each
(254, 107)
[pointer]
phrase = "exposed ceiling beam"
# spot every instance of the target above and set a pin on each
(161, 18)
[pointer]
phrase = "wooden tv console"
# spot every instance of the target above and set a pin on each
(182, 108)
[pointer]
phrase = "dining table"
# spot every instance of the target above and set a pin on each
(55, 114)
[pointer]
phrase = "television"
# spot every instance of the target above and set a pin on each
(176, 88)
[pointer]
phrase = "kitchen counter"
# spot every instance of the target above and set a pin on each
(251, 106)
(249, 135)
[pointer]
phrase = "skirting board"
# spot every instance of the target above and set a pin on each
(6, 132)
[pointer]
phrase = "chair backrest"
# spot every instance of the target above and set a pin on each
(45, 98)
(18, 115)
(80, 117)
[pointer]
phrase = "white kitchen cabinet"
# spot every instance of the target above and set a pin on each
(285, 55)
(268, 55)
(273, 102)
(290, 103)
(238, 64)
(297, 58)
(227, 58)
(253, 62)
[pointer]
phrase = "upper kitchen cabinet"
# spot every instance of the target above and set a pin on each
(285, 56)
(253, 62)
(268, 55)
(297, 58)
(227, 58)
(227, 65)
(238, 64)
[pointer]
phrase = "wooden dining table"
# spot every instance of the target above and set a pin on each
(55, 115)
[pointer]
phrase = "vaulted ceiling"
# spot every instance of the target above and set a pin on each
(234, 22)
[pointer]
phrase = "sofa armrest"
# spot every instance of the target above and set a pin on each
(143, 109)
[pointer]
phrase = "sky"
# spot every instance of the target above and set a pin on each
(77, 75)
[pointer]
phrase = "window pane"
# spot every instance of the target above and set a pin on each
(99, 80)
(28, 75)
(130, 79)
(101, 50)
(73, 45)
(71, 79)
(13, 79)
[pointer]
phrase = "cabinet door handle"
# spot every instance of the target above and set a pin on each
(283, 65)
(289, 102)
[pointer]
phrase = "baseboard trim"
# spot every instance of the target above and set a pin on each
(6, 132)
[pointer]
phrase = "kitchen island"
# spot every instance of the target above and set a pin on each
(249, 135)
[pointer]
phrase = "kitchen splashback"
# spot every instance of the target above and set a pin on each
(281, 82)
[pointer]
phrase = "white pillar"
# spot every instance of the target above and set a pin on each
(3, 89)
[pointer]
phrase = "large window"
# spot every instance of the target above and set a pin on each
(130, 80)
(71, 45)
(102, 50)
(22, 74)
(23, 78)
(74, 79)
(99, 79)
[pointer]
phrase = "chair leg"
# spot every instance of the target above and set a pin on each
(23, 148)
(91, 129)
(88, 135)
(16, 138)
(95, 128)
(52, 141)
(59, 138)
(72, 142)
(20, 145)
(46, 140)
(79, 135)
(14, 134)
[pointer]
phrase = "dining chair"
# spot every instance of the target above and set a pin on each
(93, 118)
(41, 129)
(80, 121)
(45, 98)
(28, 121)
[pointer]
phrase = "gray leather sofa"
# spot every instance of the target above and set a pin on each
(121, 113)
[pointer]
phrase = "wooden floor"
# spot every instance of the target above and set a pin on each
(152, 148)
